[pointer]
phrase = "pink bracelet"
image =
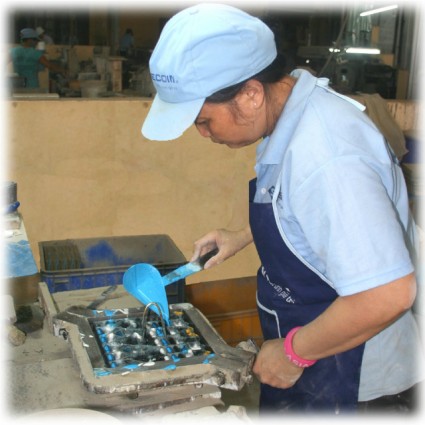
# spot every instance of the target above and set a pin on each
(287, 345)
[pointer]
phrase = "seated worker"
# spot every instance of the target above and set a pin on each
(27, 60)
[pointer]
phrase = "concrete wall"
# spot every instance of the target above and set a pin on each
(84, 170)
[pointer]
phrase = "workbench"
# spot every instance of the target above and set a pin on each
(43, 375)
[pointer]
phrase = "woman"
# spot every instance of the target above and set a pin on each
(27, 61)
(328, 212)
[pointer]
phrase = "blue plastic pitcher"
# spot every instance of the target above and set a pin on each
(145, 283)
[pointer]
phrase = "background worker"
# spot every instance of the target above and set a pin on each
(329, 214)
(28, 61)
(43, 37)
(127, 43)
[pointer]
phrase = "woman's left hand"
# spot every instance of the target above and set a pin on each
(273, 368)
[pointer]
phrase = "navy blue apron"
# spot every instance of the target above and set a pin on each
(289, 294)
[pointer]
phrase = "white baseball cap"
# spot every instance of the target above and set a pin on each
(201, 50)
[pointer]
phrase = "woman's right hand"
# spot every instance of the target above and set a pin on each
(228, 242)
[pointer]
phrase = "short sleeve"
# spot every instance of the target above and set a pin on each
(349, 221)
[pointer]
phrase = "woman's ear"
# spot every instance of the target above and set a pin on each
(253, 94)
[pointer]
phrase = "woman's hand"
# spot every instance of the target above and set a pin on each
(227, 241)
(339, 328)
(273, 368)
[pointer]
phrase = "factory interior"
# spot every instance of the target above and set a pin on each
(88, 197)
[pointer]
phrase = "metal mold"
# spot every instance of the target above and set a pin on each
(125, 351)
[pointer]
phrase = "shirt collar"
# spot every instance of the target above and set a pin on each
(271, 149)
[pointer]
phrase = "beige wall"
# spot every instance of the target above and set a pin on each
(84, 170)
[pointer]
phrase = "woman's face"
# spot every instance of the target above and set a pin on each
(32, 42)
(230, 126)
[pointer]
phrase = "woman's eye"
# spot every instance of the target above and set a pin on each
(200, 123)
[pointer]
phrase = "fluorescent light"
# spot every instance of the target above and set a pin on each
(363, 50)
(379, 10)
(334, 50)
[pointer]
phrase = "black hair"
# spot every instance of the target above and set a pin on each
(269, 75)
